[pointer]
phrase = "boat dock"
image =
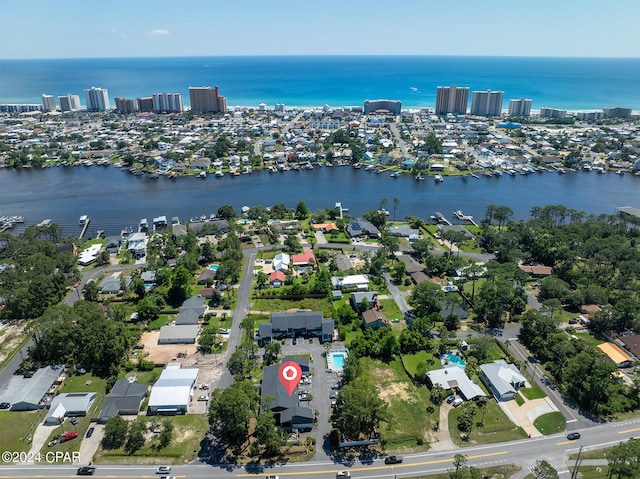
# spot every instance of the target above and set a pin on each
(462, 217)
(441, 219)
(84, 224)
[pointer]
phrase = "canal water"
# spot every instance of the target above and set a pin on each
(114, 199)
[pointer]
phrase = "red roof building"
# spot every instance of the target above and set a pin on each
(304, 258)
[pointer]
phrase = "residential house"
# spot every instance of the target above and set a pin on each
(373, 319)
(304, 259)
(412, 266)
(69, 404)
(358, 298)
(191, 311)
(276, 278)
(352, 282)
(281, 262)
(362, 229)
(502, 379)
(616, 354)
(454, 379)
(124, 399)
(405, 231)
(536, 270)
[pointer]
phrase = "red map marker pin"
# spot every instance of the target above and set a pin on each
(289, 374)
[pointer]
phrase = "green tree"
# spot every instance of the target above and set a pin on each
(302, 211)
(231, 410)
(271, 352)
(624, 459)
(544, 470)
(180, 285)
(268, 434)
(398, 270)
(135, 437)
(396, 203)
(115, 433)
(90, 291)
(426, 298)
(227, 212)
(359, 410)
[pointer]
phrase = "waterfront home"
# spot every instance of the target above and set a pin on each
(361, 228)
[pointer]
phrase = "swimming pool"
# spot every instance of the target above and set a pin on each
(335, 360)
(214, 267)
(453, 359)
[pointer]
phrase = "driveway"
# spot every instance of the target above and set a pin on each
(525, 415)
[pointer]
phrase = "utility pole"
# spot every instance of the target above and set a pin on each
(574, 474)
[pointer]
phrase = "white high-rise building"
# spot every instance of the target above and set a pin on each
(451, 99)
(521, 107)
(168, 102)
(97, 99)
(48, 103)
(69, 102)
(487, 103)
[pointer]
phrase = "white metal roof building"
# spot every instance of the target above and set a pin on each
(179, 334)
(172, 393)
(27, 394)
(455, 378)
(69, 404)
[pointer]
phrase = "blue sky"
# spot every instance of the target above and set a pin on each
(133, 28)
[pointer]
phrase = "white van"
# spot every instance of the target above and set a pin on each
(457, 402)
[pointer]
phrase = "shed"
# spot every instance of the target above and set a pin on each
(28, 394)
(172, 392)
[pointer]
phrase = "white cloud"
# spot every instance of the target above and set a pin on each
(159, 32)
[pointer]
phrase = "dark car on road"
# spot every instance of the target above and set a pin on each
(90, 431)
(85, 471)
(572, 436)
(393, 459)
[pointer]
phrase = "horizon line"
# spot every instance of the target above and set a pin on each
(333, 55)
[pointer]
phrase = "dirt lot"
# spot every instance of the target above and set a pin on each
(10, 337)
(163, 353)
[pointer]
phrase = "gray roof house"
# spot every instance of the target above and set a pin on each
(286, 409)
(454, 378)
(28, 394)
(124, 399)
(405, 231)
(69, 404)
(502, 378)
(113, 284)
(412, 265)
(358, 297)
(359, 228)
(191, 311)
(300, 324)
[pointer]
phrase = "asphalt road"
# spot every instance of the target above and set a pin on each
(524, 453)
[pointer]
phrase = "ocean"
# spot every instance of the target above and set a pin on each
(306, 81)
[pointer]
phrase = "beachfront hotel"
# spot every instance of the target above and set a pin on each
(521, 107)
(69, 102)
(48, 103)
(167, 102)
(450, 99)
(125, 106)
(552, 113)
(487, 103)
(207, 100)
(382, 106)
(97, 99)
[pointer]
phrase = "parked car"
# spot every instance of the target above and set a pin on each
(333, 395)
(457, 402)
(90, 432)
(52, 443)
(73, 421)
(393, 459)
(451, 398)
(572, 436)
(68, 436)
(204, 387)
(86, 471)
(342, 474)
(336, 386)
(203, 398)
(5, 405)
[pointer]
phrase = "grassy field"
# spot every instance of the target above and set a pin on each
(20, 423)
(189, 430)
(496, 427)
(143, 377)
(162, 320)
(411, 361)
(314, 304)
(550, 423)
(409, 420)
(390, 309)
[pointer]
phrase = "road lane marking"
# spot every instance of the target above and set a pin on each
(629, 430)
(564, 442)
(373, 468)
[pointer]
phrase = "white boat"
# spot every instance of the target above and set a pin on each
(219, 174)
(438, 179)
(83, 219)
(202, 174)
